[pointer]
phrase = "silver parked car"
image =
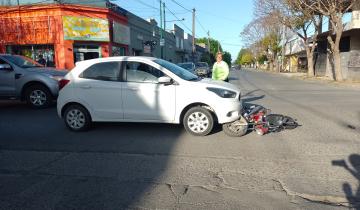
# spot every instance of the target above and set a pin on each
(24, 79)
(202, 69)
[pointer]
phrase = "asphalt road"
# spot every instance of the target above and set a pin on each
(147, 166)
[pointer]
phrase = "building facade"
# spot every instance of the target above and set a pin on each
(295, 56)
(63, 33)
(66, 31)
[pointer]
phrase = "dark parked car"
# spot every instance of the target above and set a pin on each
(188, 66)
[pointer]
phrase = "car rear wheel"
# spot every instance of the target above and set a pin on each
(77, 118)
(38, 96)
(198, 121)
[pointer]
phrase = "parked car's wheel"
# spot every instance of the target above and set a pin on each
(198, 121)
(236, 129)
(38, 96)
(77, 118)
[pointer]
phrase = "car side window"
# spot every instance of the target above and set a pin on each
(142, 73)
(107, 71)
(2, 61)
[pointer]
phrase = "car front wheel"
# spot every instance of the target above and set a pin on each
(77, 118)
(38, 96)
(198, 121)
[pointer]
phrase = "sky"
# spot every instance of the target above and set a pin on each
(224, 19)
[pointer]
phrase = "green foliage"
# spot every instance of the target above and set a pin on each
(272, 42)
(208, 58)
(214, 47)
(262, 59)
(245, 56)
(214, 44)
(227, 57)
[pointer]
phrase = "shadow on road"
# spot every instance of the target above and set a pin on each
(113, 166)
(352, 194)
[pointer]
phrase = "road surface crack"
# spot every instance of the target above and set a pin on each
(325, 199)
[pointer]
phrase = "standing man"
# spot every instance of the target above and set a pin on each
(220, 69)
(41, 60)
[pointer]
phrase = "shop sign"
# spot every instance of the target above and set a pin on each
(121, 33)
(85, 28)
(147, 49)
(162, 42)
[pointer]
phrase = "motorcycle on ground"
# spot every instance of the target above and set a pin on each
(259, 119)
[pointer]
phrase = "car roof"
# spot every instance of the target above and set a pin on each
(117, 58)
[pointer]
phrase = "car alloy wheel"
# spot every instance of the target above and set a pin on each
(75, 118)
(38, 98)
(198, 122)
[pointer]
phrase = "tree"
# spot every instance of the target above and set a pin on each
(334, 10)
(208, 58)
(215, 45)
(227, 57)
(245, 57)
(297, 18)
(263, 35)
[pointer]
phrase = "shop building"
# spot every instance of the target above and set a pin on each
(64, 33)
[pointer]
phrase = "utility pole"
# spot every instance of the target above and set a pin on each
(208, 33)
(164, 31)
(161, 30)
(193, 34)
(19, 21)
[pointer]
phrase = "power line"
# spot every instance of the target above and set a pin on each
(201, 25)
(189, 10)
(178, 19)
(148, 5)
(218, 16)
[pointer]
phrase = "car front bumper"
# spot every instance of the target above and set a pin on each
(229, 112)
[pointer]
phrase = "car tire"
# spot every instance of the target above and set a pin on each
(38, 96)
(77, 118)
(198, 121)
(237, 128)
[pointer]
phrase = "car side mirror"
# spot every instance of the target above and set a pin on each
(5, 67)
(165, 80)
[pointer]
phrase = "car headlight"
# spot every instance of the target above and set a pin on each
(223, 93)
(57, 78)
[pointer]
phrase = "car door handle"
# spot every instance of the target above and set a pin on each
(133, 88)
(17, 76)
(85, 87)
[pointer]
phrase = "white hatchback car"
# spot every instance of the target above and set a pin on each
(144, 89)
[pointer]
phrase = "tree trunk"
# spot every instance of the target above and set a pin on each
(337, 65)
(335, 46)
(310, 61)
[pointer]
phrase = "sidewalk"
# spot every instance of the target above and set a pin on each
(303, 76)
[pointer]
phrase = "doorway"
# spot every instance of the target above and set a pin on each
(86, 52)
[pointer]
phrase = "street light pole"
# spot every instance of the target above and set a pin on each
(161, 29)
(164, 31)
(193, 34)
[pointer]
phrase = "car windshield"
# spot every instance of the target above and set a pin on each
(199, 65)
(22, 61)
(179, 71)
(187, 66)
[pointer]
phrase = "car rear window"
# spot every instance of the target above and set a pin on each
(107, 71)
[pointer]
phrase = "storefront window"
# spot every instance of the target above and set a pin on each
(118, 51)
(86, 52)
(43, 54)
